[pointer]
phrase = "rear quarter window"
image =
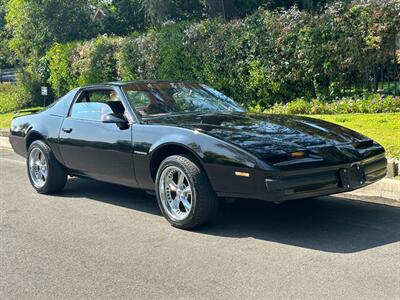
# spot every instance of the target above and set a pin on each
(61, 106)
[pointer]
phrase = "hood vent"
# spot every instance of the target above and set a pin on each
(363, 144)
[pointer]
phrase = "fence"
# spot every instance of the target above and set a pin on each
(386, 79)
(8, 75)
(383, 79)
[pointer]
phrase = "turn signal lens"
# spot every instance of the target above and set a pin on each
(242, 174)
(298, 154)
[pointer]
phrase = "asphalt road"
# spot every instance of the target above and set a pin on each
(97, 240)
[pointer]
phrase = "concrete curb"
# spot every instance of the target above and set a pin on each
(393, 168)
(386, 191)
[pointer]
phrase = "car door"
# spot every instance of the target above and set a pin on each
(92, 148)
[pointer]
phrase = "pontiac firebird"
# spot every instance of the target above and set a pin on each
(191, 145)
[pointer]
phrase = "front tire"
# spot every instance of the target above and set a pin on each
(45, 173)
(184, 193)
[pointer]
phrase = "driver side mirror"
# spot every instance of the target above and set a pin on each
(116, 119)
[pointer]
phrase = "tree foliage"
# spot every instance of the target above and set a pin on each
(264, 58)
(263, 51)
(122, 17)
(5, 53)
(36, 25)
(159, 11)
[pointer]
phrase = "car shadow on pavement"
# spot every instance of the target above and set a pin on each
(328, 224)
(112, 194)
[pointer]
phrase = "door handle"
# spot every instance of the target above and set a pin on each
(67, 130)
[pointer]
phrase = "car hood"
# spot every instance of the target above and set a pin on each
(270, 135)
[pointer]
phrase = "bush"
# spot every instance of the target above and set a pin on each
(268, 56)
(29, 86)
(138, 57)
(219, 55)
(173, 61)
(61, 78)
(95, 61)
(373, 103)
(11, 98)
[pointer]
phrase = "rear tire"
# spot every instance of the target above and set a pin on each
(45, 173)
(184, 193)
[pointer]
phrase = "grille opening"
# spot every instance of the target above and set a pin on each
(363, 144)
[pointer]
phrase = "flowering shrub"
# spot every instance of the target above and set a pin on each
(373, 103)
(75, 64)
(138, 57)
(95, 61)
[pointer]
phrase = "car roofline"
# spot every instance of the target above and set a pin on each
(123, 83)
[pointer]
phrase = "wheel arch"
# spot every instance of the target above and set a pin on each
(33, 136)
(165, 150)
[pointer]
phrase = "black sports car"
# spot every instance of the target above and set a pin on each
(190, 144)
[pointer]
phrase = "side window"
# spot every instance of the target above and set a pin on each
(95, 105)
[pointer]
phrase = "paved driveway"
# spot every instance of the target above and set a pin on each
(97, 240)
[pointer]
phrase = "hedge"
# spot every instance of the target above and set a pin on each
(8, 98)
(374, 103)
(264, 58)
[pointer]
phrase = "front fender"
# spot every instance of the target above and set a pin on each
(182, 139)
(219, 159)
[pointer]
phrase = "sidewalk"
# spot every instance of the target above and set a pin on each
(4, 143)
(386, 191)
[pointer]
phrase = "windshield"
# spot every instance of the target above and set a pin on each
(156, 99)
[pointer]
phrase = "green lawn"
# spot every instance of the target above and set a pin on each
(383, 128)
(5, 119)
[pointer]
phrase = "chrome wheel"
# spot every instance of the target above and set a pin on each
(175, 193)
(38, 167)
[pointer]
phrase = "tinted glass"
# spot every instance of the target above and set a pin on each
(95, 105)
(90, 111)
(175, 98)
(61, 106)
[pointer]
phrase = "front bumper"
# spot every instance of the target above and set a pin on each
(310, 182)
(322, 181)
